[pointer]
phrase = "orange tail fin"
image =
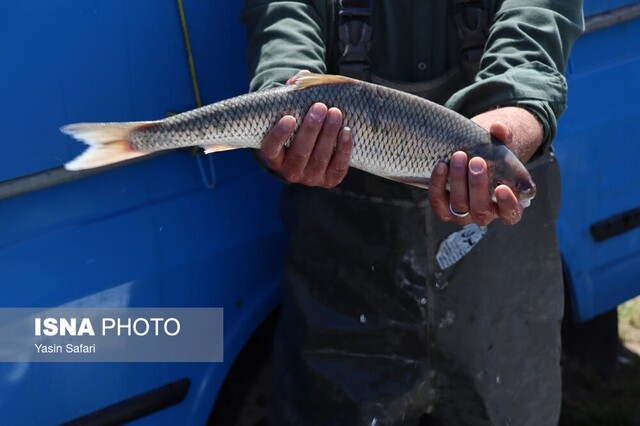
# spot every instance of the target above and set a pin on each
(108, 143)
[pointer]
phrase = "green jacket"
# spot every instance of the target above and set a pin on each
(523, 63)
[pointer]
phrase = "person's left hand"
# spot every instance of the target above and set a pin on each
(468, 196)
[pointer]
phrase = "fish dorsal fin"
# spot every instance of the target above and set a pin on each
(306, 81)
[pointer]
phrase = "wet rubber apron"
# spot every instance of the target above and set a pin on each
(373, 331)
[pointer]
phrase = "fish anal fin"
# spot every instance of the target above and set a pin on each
(210, 149)
(307, 80)
(420, 182)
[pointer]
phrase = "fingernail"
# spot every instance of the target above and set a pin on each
(288, 123)
(345, 134)
(440, 168)
(457, 161)
(318, 112)
(502, 195)
(334, 116)
(476, 165)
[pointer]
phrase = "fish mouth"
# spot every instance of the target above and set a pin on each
(524, 203)
(524, 189)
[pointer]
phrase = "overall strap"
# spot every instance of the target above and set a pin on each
(354, 38)
(355, 30)
(473, 20)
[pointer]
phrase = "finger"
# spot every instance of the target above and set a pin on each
(272, 150)
(298, 153)
(459, 191)
(480, 204)
(300, 73)
(509, 210)
(438, 195)
(314, 173)
(502, 132)
(339, 164)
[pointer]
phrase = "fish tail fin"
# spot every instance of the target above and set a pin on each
(108, 143)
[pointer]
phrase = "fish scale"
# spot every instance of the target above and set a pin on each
(395, 134)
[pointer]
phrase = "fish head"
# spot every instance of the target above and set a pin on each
(505, 169)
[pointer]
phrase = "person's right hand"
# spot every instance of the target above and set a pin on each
(319, 153)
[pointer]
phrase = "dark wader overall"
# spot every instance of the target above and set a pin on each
(373, 332)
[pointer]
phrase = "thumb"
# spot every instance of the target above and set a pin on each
(300, 73)
(502, 132)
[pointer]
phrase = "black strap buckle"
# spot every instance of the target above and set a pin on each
(354, 12)
(472, 20)
(354, 37)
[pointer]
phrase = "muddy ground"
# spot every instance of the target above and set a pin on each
(593, 399)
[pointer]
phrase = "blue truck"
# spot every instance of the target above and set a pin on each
(185, 230)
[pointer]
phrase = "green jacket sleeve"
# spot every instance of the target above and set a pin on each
(525, 59)
(284, 37)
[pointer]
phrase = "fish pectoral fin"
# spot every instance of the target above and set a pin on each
(210, 149)
(306, 81)
(418, 181)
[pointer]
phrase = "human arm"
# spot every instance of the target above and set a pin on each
(520, 85)
(469, 181)
(283, 38)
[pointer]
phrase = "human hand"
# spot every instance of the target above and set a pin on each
(320, 152)
(468, 199)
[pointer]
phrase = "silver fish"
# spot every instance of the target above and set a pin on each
(395, 135)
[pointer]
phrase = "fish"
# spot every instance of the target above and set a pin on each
(396, 135)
